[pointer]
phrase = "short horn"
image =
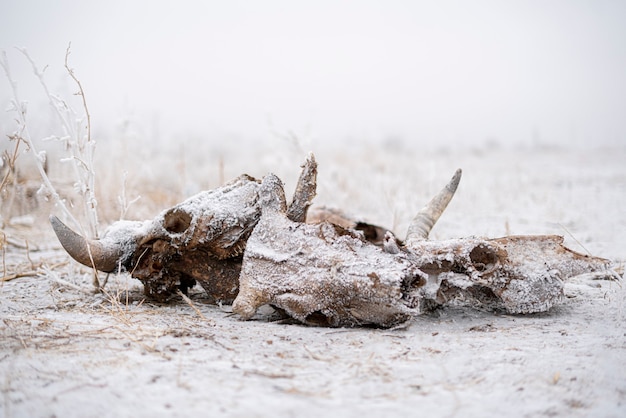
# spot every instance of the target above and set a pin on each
(91, 253)
(426, 218)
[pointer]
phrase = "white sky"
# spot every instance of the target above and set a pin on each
(437, 72)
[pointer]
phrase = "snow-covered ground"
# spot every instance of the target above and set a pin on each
(66, 352)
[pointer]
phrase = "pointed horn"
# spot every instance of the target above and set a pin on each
(272, 195)
(427, 217)
(305, 191)
(91, 253)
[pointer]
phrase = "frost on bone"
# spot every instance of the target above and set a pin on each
(516, 274)
(321, 274)
(199, 239)
(203, 238)
(327, 275)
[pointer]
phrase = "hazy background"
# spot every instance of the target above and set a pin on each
(398, 72)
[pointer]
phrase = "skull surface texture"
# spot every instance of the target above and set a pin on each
(322, 274)
(201, 239)
(242, 242)
(326, 275)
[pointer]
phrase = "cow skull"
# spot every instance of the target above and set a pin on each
(242, 242)
(325, 274)
(201, 239)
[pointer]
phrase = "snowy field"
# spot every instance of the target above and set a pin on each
(66, 352)
(528, 98)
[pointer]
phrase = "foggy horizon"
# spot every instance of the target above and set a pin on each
(551, 73)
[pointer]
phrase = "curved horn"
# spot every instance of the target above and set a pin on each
(91, 253)
(428, 216)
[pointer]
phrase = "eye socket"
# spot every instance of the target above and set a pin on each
(176, 221)
(483, 258)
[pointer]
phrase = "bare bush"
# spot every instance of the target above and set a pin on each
(74, 134)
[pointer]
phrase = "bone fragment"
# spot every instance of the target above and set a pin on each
(199, 240)
(322, 274)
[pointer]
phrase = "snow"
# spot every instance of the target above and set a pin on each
(124, 234)
(67, 352)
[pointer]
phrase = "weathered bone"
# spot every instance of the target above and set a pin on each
(202, 238)
(373, 233)
(322, 274)
(517, 274)
(327, 274)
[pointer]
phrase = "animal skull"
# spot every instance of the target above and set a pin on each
(242, 242)
(201, 239)
(324, 274)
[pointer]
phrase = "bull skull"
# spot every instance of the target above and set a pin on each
(242, 242)
(202, 238)
(325, 274)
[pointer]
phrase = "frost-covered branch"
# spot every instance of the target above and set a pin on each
(78, 144)
(22, 134)
(87, 148)
(121, 199)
